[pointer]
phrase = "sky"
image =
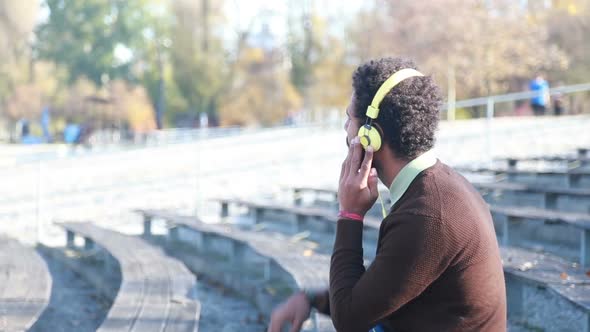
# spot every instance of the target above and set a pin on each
(273, 13)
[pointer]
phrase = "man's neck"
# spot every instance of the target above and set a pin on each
(391, 166)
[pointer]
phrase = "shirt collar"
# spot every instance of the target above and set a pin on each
(408, 173)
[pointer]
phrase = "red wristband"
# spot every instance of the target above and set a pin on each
(350, 215)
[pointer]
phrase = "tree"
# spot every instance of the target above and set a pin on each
(300, 44)
(262, 93)
(106, 41)
(318, 66)
(491, 46)
(198, 55)
(569, 26)
(17, 19)
(136, 104)
(94, 38)
(27, 98)
(330, 83)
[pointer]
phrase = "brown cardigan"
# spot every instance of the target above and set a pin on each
(437, 268)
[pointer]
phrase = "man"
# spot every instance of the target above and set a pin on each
(438, 266)
(541, 100)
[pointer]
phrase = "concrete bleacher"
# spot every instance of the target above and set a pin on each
(547, 197)
(264, 267)
(545, 211)
(545, 292)
(545, 244)
(572, 178)
(25, 286)
(570, 161)
(501, 193)
(155, 292)
(296, 219)
(563, 233)
(581, 159)
(67, 189)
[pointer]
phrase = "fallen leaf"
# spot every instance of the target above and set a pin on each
(526, 266)
(271, 290)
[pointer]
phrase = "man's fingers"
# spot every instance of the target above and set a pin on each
(296, 325)
(277, 320)
(366, 165)
(343, 170)
(345, 165)
(356, 156)
(372, 183)
(274, 325)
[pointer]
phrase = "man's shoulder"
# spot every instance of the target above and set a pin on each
(434, 190)
(441, 179)
(446, 177)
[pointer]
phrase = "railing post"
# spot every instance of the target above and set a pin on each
(515, 290)
(489, 119)
(451, 98)
(224, 209)
(70, 239)
(297, 197)
(147, 224)
(551, 201)
(585, 248)
(258, 212)
(38, 212)
(88, 243)
(512, 162)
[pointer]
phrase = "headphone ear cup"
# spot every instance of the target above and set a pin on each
(363, 137)
(370, 137)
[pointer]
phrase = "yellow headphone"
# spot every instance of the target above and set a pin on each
(368, 134)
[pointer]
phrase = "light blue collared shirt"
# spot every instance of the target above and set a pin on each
(405, 177)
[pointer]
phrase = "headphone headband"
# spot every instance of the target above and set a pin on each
(390, 83)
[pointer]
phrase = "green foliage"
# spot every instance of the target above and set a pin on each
(463, 114)
(175, 54)
(106, 41)
(264, 96)
(84, 36)
(319, 70)
(198, 56)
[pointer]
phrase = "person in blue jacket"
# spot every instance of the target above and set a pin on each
(540, 101)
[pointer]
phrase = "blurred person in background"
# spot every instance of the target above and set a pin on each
(26, 136)
(558, 102)
(540, 101)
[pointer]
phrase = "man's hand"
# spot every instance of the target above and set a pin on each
(357, 191)
(295, 311)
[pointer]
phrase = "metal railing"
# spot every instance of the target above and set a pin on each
(491, 101)
(109, 142)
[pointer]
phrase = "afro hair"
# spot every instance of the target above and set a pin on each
(409, 113)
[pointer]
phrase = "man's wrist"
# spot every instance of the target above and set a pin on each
(350, 215)
(310, 296)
